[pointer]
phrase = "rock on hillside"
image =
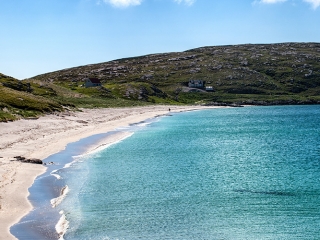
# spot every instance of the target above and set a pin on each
(234, 72)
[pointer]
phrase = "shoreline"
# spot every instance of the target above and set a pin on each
(50, 134)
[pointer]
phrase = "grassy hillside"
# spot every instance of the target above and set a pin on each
(25, 99)
(21, 99)
(286, 73)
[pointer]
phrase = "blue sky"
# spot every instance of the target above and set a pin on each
(39, 36)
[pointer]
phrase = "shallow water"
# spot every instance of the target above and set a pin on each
(236, 173)
(40, 222)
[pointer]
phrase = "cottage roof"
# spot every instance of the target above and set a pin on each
(94, 80)
(195, 81)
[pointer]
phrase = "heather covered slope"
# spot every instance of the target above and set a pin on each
(21, 99)
(29, 99)
(285, 73)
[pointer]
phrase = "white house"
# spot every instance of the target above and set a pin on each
(209, 89)
(92, 82)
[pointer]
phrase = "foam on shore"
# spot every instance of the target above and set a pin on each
(62, 225)
(68, 164)
(53, 173)
(63, 193)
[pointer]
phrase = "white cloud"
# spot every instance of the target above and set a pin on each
(127, 3)
(123, 3)
(315, 3)
(272, 1)
(188, 2)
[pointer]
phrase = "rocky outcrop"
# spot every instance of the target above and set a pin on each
(28, 160)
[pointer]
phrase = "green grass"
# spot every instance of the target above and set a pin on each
(17, 99)
(5, 116)
(27, 101)
(286, 73)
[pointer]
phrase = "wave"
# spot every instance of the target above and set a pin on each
(144, 123)
(69, 164)
(276, 193)
(63, 193)
(62, 225)
(53, 173)
(113, 139)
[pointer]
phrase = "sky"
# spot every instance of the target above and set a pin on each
(40, 36)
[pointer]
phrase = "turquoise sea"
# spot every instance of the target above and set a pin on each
(230, 173)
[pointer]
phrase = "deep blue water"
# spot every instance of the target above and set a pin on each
(234, 173)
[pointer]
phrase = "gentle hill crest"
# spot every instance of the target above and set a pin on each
(248, 73)
(265, 74)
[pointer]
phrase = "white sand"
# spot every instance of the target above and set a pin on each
(48, 135)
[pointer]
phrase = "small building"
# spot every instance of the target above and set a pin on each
(196, 84)
(92, 82)
(209, 88)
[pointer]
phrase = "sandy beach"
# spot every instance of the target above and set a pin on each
(40, 138)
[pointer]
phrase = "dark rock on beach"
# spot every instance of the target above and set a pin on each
(28, 160)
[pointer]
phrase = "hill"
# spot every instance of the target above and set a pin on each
(265, 74)
(32, 98)
(21, 99)
(284, 73)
